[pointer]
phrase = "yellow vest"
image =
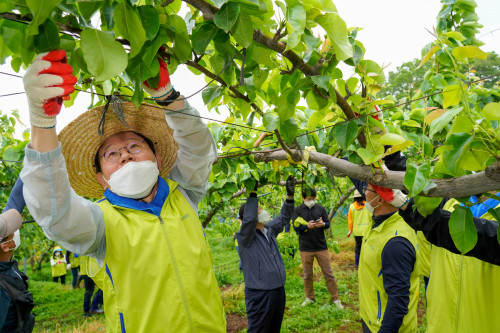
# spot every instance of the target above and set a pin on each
(372, 295)
(159, 275)
(463, 292)
(74, 261)
(83, 265)
(424, 254)
(59, 269)
(362, 220)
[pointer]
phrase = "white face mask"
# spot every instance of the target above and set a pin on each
(17, 239)
(134, 180)
(309, 203)
(369, 206)
(264, 217)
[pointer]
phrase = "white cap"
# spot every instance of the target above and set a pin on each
(10, 221)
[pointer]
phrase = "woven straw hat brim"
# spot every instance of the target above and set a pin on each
(80, 142)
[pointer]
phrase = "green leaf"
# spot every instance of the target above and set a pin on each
(462, 229)
(345, 133)
(150, 21)
(492, 111)
(451, 95)
(271, 121)
(371, 71)
(369, 156)
(12, 34)
(88, 9)
(459, 142)
(295, 24)
(41, 10)
(314, 120)
(210, 93)
(426, 205)
(129, 25)
(243, 30)
(47, 38)
(322, 81)
(417, 177)
(182, 43)
(428, 55)
(461, 124)
(336, 29)
(202, 35)
(391, 139)
(227, 15)
(439, 123)
(475, 157)
(288, 130)
(455, 35)
(105, 57)
(468, 51)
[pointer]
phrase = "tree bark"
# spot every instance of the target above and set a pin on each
(457, 187)
(43, 255)
(342, 199)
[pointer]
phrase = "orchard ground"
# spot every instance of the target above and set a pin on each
(60, 309)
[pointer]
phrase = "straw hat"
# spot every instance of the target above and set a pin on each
(80, 141)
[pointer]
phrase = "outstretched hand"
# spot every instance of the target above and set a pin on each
(47, 82)
(162, 88)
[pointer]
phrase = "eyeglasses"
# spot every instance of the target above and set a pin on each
(113, 155)
(365, 188)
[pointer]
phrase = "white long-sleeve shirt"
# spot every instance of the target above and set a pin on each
(78, 223)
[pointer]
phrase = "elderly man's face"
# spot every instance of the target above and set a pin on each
(119, 142)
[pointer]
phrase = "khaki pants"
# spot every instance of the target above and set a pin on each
(323, 258)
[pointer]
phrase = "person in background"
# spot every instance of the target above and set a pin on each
(16, 302)
(73, 261)
(91, 305)
(359, 220)
(58, 263)
(310, 221)
(263, 269)
(388, 271)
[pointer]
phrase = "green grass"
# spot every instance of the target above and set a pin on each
(60, 308)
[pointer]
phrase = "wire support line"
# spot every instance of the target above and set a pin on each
(11, 161)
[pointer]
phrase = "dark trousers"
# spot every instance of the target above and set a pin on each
(87, 297)
(265, 309)
(62, 277)
(357, 249)
(74, 272)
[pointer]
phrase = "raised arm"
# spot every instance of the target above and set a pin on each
(76, 223)
(279, 222)
(248, 229)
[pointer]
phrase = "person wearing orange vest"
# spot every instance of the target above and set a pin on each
(358, 222)
(151, 163)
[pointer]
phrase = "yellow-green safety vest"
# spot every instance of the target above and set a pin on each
(424, 254)
(59, 269)
(372, 295)
(362, 220)
(159, 275)
(84, 265)
(74, 261)
(463, 292)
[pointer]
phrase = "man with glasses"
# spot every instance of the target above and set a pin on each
(388, 266)
(152, 165)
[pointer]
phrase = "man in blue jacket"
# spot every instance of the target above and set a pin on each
(263, 268)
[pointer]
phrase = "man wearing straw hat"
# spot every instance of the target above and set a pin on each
(145, 232)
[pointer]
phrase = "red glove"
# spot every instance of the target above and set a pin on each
(164, 86)
(47, 82)
(394, 197)
(349, 233)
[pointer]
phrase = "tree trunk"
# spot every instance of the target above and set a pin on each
(43, 255)
(342, 199)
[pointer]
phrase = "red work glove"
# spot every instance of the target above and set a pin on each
(164, 86)
(349, 233)
(394, 197)
(47, 82)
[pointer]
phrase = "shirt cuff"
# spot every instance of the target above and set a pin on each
(35, 155)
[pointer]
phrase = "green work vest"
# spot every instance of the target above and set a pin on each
(159, 275)
(361, 220)
(83, 265)
(74, 261)
(372, 295)
(59, 269)
(423, 253)
(463, 292)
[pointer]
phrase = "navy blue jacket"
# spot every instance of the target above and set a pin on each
(261, 260)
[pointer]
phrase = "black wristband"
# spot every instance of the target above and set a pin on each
(172, 98)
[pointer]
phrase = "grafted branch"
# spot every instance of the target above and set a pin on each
(457, 187)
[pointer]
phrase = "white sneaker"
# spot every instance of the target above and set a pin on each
(339, 305)
(307, 301)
